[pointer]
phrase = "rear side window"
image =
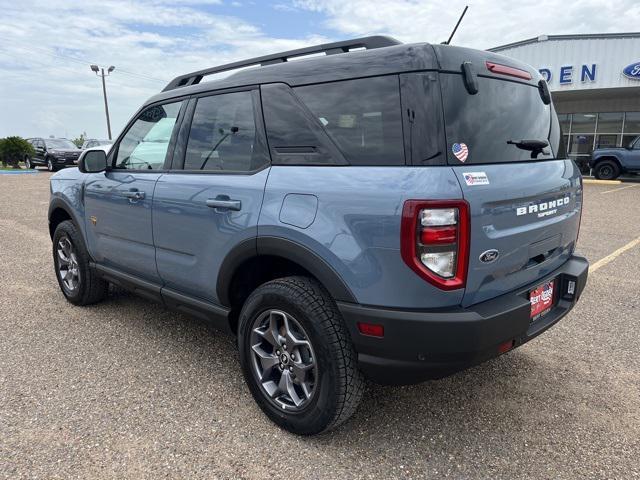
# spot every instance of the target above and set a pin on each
(479, 126)
(362, 117)
(223, 135)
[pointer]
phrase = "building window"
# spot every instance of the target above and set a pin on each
(608, 140)
(632, 123)
(581, 144)
(583, 123)
(610, 122)
(565, 122)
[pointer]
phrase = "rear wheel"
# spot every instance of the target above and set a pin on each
(607, 170)
(78, 281)
(297, 357)
(27, 163)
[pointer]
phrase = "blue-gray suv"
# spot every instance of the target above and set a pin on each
(391, 211)
(609, 163)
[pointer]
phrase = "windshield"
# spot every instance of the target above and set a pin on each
(505, 121)
(60, 143)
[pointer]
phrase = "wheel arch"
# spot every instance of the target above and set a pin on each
(261, 259)
(610, 157)
(59, 211)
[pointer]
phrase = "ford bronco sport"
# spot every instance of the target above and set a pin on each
(391, 211)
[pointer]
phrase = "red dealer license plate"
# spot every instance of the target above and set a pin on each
(541, 299)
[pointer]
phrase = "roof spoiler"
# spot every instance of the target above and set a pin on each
(345, 46)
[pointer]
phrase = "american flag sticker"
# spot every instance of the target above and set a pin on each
(461, 151)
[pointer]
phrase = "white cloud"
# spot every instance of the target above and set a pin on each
(487, 23)
(46, 86)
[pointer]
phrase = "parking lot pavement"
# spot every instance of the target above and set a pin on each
(125, 389)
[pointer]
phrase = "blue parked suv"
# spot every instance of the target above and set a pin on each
(609, 163)
(390, 211)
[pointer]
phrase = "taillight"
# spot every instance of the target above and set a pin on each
(509, 71)
(435, 241)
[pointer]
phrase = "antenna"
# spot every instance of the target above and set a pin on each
(457, 24)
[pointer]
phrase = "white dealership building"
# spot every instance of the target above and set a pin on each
(595, 83)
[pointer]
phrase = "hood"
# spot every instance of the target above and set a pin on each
(67, 174)
(600, 151)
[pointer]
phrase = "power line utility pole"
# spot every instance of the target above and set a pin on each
(100, 73)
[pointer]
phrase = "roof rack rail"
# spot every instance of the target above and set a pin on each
(368, 43)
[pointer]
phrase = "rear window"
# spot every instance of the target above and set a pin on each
(361, 116)
(479, 126)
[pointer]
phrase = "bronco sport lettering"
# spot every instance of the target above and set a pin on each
(543, 209)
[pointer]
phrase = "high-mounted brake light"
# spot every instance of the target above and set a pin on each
(510, 71)
(435, 241)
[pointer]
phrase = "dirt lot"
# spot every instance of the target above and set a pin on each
(127, 389)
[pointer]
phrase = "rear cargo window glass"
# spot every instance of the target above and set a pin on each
(479, 126)
(361, 116)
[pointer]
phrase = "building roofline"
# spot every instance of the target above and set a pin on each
(546, 38)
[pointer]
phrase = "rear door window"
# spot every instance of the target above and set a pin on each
(362, 117)
(224, 136)
(479, 126)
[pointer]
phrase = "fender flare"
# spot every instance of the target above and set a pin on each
(289, 250)
(607, 156)
(58, 203)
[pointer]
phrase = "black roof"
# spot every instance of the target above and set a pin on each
(379, 60)
(383, 56)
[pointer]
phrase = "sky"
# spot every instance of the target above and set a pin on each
(46, 46)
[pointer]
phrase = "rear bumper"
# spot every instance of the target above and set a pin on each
(422, 345)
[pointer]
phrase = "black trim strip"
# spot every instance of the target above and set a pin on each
(217, 315)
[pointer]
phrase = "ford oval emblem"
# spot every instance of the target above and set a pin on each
(632, 71)
(489, 256)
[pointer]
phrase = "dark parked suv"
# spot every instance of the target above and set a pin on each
(394, 211)
(54, 153)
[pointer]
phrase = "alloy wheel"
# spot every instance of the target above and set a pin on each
(606, 171)
(50, 165)
(283, 360)
(68, 268)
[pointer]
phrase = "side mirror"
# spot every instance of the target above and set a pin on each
(93, 161)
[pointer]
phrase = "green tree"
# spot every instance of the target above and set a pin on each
(80, 140)
(13, 150)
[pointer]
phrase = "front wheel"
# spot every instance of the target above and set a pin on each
(297, 357)
(78, 281)
(27, 163)
(50, 166)
(607, 170)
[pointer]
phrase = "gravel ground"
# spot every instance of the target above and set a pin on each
(126, 389)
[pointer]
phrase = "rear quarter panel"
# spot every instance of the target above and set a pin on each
(356, 225)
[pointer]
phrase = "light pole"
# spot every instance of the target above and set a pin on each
(100, 73)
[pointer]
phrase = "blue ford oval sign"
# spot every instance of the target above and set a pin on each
(632, 71)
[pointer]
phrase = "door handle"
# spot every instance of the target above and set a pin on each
(222, 201)
(134, 194)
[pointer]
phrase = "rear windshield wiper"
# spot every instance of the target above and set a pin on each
(536, 147)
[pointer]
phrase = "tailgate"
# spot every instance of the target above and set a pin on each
(528, 213)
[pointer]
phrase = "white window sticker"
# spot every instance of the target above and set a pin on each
(476, 178)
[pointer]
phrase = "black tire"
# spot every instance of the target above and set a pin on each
(50, 166)
(607, 170)
(27, 163)
(90, 288)
(339, 385)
